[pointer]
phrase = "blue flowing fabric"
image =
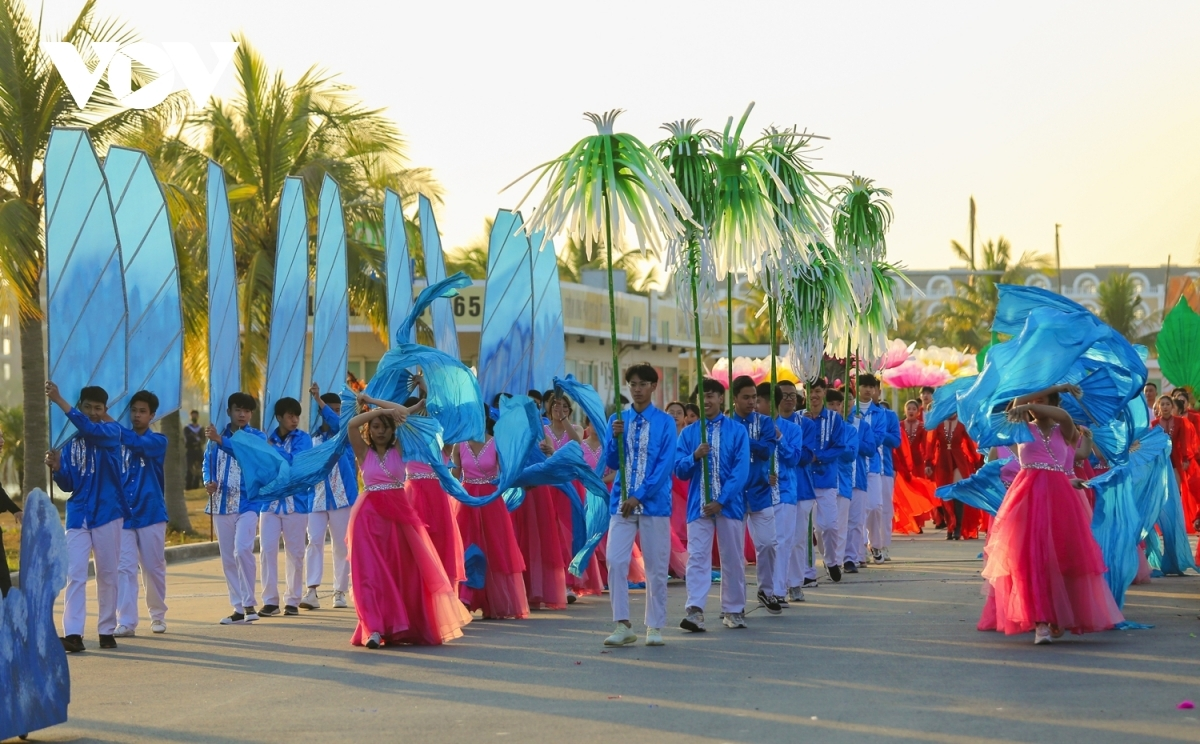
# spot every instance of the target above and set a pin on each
(1114, 438)
(447, 287)
(1129, 499)
(475, 566)
(399, 268)
(85, 291)
(445, 336)
(506, 337)
(331, 318)
(982, 490)
(945, 400)
(589, 400)
(1015, 302)
(289, 306)
(453, 396)
(224, 339)
(549, 338)
(522, 465)
(1177, 552)
(155, 324)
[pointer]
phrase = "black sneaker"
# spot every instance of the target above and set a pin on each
(811, 584)
(236, 618)
(783, 601)
(291, 610)
(850, 567)
(769, 602)
(835, 573)
(269, 611)
(73, 644)
(107, 641)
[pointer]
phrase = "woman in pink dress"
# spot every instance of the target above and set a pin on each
(1044, 569)
(433, 504)
(558, 434)
(401, 591)
(489, 528)
(539, 536)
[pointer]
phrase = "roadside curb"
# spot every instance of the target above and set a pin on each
(174, 554)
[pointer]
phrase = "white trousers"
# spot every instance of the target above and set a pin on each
(766, 544)
(292, 527)
(889, 508)
(731, 545)
(144, 547)
(785, 542)
(875, 526)
(828, 525)
(102, 543)
(335, 522)
(656, 552)
(235, 538)
(800, 560)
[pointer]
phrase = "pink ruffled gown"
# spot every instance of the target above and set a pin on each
(489, 527)
(432, 503)
(400, 586)
(1042, 563)
(539, 536)
(592, 581)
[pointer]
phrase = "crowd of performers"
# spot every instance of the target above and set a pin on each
(708, 490)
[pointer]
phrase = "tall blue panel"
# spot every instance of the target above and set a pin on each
(331, 319)
(549, 345)
(399, 268)
(506, 336)
(445, 336)
(224, 340)
(86, 315)
(155, 329)
(289, 303)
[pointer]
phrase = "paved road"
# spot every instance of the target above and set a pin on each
(891, 654)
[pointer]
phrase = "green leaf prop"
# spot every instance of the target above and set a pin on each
(860, 226)
(1179, 346)
(817, 302)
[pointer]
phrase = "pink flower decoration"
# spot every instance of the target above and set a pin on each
(896, 353)
(741, 366)
(912, 374)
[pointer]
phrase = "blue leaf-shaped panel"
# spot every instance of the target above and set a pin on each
(331, 319)
(289, 304)
(549, 345)
(224, 341)
(506, 337)
(445, 336)
(399, 268)
(86, 318)
(155, 325)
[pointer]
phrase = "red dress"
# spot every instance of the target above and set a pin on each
(592, 581)
(914, 493)
(1183, 449)
(433, 505)
(952, 455)
(490, 529)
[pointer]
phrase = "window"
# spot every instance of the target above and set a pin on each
(1041, 281)
(1085, 285)
(939, 286)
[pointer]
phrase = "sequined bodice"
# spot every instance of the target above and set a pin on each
(478, 468)
(1047, 452)
(382, 474)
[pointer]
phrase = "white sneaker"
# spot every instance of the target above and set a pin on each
(654, 637)
(887, 557)
(795, 594)
(694, 622)
(339, 600)
(375, 641)
(572, 597)
(310, 601)
(158, 626)
(1041, 636)
(622, 635)
(123, 631)
(734, 619)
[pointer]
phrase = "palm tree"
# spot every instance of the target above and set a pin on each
(914, 325)
(966, 316)
(643, 273)
(34, 99)
(1121, 307)
(271, 129)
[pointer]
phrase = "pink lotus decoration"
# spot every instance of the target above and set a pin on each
(741, 366)
(912, 374)
(896, 353)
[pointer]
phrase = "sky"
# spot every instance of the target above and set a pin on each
(1083, 114)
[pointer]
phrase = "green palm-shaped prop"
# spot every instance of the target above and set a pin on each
(684, 155)
(817, 306)
(860, 226)
(602, 185)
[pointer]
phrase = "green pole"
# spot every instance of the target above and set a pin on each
(774, 353)
(694, 265)
(612, 324)
(729, 337)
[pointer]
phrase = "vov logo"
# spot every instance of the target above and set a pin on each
(164, 60)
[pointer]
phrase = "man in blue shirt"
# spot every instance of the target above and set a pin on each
(649, 439)
(144, 539)
(760, 511)
(89, 467)
(790, 455)
(852, 484)
(891, 442)
(235, 518)
(716, 510)
(287, 516)
(332, 502)
(876, 416)
(823, 471)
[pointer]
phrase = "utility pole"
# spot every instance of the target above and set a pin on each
(1058, 258)
(971, 279)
